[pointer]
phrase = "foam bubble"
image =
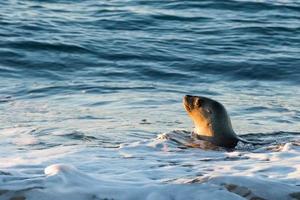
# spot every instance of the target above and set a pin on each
(58, 168)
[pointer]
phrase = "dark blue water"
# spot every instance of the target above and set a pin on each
(106, 67)
(170, 41)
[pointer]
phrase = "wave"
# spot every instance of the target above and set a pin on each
(245, 5)
(46, 46)
(177, 40)
(195, 173)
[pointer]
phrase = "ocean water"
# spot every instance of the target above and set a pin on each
(91, 97)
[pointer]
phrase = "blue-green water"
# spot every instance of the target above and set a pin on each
(97, 74)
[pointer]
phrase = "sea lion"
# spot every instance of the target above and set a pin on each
(212, 123)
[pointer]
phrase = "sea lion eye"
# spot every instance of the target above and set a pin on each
(198, 102)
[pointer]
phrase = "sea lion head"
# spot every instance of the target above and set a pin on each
(210, 118)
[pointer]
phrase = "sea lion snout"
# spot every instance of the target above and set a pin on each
(187, 99)
(188, 102)
(191, 102)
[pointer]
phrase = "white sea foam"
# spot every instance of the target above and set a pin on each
(154, 169)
